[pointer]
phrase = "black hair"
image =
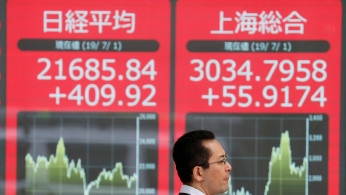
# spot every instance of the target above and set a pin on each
(188, 152)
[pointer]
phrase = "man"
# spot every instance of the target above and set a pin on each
(201, 163)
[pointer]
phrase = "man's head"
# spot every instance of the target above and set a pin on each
(201, 162)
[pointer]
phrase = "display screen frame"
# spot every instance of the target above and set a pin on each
(171, 179)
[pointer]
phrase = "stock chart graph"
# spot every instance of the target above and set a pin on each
(87, 153)
(271, 154)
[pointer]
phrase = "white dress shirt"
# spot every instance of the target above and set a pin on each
(190, 190)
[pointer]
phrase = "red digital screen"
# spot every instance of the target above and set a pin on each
(265, 77)
(94, 93)
(88, 91)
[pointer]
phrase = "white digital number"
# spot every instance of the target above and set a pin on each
(208, 68)
(212, 70)
(247, 96)
(92, 94)
(270, 93)
(92, 72)
(134, 73)
(74, 67)
(233, 98)
(319, 74)
(109, 69)
(133, 92)
(42, 75)
(228, 94)
(287, 67)
(306, 71)
(197, 69)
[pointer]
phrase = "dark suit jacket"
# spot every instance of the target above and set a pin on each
(183, 194)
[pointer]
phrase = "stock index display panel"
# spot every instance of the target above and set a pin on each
(75, 72)
(253, 72)
(93, 94)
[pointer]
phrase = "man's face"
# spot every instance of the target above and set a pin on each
(216, 176)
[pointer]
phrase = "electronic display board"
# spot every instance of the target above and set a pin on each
(93, 94)
(87, 97)
(265, 77)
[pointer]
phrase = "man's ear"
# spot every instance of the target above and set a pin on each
(198, 173)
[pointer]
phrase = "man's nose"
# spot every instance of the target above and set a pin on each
(228, 166)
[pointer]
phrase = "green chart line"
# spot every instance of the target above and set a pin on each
(284, 177)
(242, 190)
(59, 175)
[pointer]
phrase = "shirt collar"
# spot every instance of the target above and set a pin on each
(190, 190)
